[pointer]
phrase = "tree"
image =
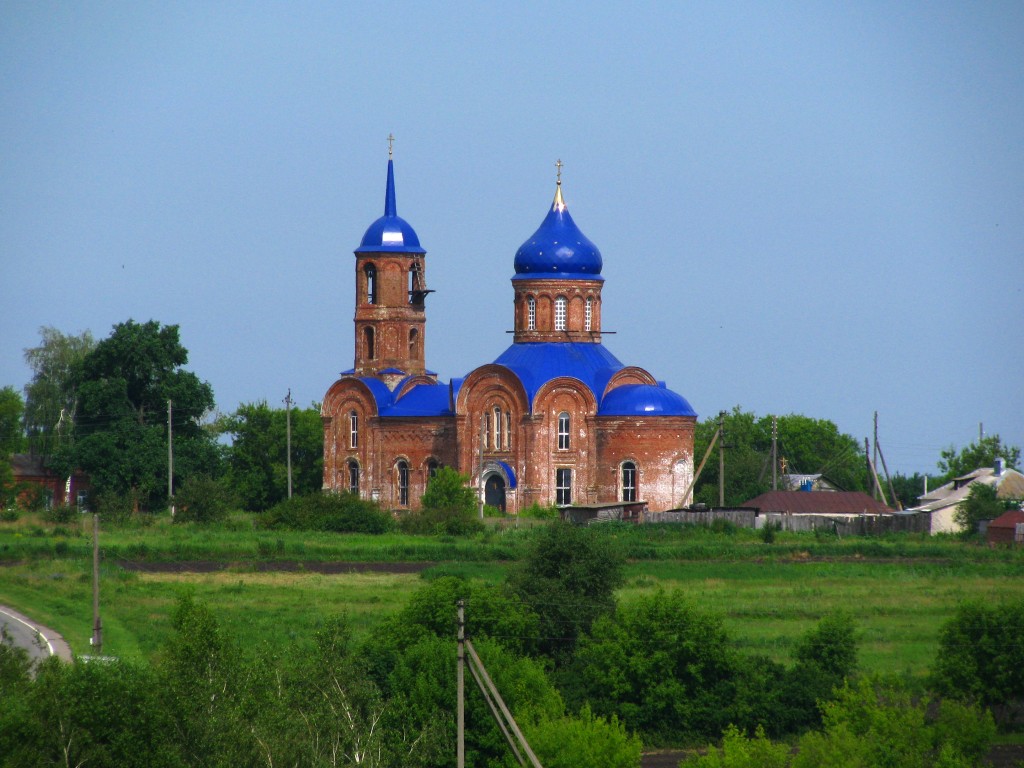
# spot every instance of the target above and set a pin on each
(448, 506)
(123, 387)
(981, 503)
(595, 742)
(568, 578)
(662, 665)
(52, 391)
(809, 446)
(12, 439)
(982, 453)
(257, 462)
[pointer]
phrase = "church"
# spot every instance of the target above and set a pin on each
(556, 418)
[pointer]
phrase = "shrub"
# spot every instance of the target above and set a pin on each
(334, 512)
(201, 499)
(538, 512)
(768, 532)
(61, 513)
(447, 508)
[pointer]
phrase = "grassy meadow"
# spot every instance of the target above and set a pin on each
(900, 589)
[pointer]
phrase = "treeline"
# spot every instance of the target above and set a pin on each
(589, 679)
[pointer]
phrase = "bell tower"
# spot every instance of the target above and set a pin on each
(391, 288)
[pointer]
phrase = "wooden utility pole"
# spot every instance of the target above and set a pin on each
(700, 468)
(170, 460)
(874, 475)
(775, 453)
(97, 627)
(721, 459)
(483, 437)
(288, 438)
(460, 757)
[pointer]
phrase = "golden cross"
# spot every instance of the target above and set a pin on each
(391, 141)
(558, 165)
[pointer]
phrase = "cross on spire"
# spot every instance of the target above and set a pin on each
(391, 142)
(558, 176)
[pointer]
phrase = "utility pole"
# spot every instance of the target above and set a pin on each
(875, 462)
(460, 757)
(97, 627)
(775, 453)
(288, 432)
(721, 459)
(170, 460)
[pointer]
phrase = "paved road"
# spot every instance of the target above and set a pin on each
(40, 642)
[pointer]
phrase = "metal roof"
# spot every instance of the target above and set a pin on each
(558, 249)
(818, 502)
(537, 363)
(390, 233)
(644, 400)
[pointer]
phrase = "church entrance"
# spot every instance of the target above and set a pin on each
(494, 491)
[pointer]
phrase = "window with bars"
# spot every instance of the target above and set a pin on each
(498, 425)
(403, 483)
(353, 476)
(628, 481)
(563, 431)
(560, 313)
(531, 313)
(563, 486)
(353, 429)
(588, 314)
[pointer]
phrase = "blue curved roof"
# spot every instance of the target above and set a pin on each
(558, 249)
(536, 363)
(390, 233)
(421, 400)
(644, 400)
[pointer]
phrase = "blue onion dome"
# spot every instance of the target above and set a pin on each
(390, 233)
(644, 400)
(558, 249)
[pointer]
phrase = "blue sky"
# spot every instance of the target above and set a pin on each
(802, 207)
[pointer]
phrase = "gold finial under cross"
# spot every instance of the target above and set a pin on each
(391, 142)
(558, 176)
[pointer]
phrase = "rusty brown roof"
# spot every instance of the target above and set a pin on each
(820, 503)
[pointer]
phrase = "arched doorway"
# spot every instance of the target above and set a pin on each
(494, 491)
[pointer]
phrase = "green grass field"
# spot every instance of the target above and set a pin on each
(899, 589)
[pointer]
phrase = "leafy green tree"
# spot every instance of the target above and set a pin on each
(809, 446)
(53, 390)
(123, 387)
(663, 666)
(981, 656)
(981, 503)
(739, 751)
(335, 512)
(12, 439)
(982, 453)
(568, 578)
(448, 506)
(596, 742)
(257, 462)
(201, 499)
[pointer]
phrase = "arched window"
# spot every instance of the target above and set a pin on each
(560, 313)
(498, 428)
(402, 469)
(432, 467)
(371, 349)
(531, 313)
(563, 431)
(563, 486)
(628, 481)
(414, 337)
(588, 314)
(353, 429)
(371, 283)
(508, 429)
(353, 476)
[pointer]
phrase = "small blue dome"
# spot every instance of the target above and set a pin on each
(644, 400)
(558, 249)
(390, 233)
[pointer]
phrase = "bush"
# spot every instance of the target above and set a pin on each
(768, 532)
(61, 513)
(538, 512)
(201, 500)
(447, 508)
(334, 512)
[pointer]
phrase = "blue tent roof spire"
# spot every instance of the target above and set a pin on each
(390, 233)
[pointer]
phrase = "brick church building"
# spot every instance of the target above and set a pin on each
(555, 419)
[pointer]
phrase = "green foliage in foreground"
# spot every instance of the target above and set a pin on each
(333, 512)
(448, 507)
(869, 724)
